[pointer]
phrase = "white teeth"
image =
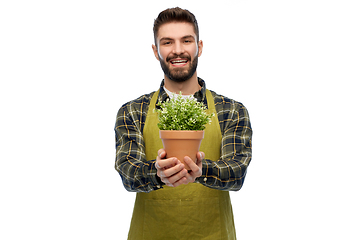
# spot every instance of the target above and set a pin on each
(178, 61)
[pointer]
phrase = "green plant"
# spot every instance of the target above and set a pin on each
(181, 113)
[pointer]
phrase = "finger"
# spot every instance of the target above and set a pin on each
(196, 170)
(190, 163)
(163, 163)
(172, 165)
(157, 165)
(161, 153)
(200, 156)
(178, 178)
(167, 183)
(172, 171)
(181, 181)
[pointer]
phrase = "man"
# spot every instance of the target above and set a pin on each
(171, 202)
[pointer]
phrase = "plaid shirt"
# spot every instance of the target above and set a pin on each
(228, 173)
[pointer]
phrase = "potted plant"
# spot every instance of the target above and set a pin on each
(182, 122)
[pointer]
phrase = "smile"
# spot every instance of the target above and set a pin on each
(179, 62)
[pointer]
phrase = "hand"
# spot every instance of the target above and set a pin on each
(196, 168)
(171, 171)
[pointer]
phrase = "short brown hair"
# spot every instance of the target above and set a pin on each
(175, 15)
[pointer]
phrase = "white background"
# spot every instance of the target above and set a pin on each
(66, 67)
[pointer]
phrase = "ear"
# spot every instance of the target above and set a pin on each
(200, 47)
(155, 52)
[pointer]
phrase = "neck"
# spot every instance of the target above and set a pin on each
(189, 87)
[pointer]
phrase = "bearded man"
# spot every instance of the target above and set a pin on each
(172, 202)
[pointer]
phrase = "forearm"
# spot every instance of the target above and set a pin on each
(138, 176)
(223, 175)
(229, 172)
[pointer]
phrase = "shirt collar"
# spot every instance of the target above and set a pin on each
(199, 95)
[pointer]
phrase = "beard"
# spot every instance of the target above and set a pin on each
(179, 75)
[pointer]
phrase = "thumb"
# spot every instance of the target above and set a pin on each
(201, 156)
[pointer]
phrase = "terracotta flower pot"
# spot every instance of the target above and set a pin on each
(181, 143)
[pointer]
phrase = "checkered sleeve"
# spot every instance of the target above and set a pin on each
(138, 174)
(228, 173)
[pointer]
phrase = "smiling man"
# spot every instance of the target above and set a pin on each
(180, 52)
(172, 202)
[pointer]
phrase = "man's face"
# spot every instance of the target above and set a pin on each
(177, 50)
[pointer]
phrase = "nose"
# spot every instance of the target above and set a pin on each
(178, 48)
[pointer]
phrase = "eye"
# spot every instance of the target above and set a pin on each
(165, 42)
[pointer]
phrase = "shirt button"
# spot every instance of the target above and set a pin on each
(205, 179)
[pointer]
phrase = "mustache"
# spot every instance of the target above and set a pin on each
(174, 56)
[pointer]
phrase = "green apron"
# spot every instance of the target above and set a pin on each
(188, 212)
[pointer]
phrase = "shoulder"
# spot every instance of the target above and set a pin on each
(137, 104)
(223, 102)
(133, 113)
(230, 113)
(135, 110)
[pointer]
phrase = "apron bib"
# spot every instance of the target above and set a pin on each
(187, 212)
